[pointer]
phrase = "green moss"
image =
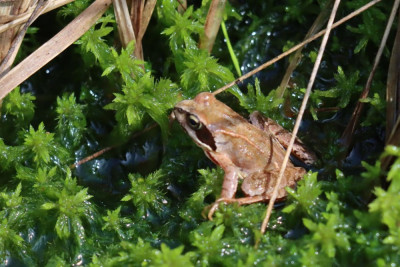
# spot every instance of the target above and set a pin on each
(143, 202)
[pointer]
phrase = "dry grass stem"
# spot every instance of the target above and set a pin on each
(393, 139)
(294, 48)
(8, 60)
(393, 84)
(7, 10)
(393, 99)
(124, 23)
(16, 20)
(347, 136)
(136, 18)
(182, 6)
(212, 24)
(147, 13)
(299, 117)
(294, 61)
(140, 15)
(53, 47)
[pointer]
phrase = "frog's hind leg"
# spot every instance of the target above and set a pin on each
(241, 201)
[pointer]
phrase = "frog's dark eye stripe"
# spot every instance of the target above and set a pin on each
(204, 136)
(202, 133)
(194, 122)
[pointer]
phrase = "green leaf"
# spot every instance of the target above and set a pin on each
(71, 120)
(328, 235)
(305, 199)
(48, 206)
(125, 64)
(19, 105)
(255, 100)
(370, 25)
(40, 143)
(346, 87)
(127, 198)
(93, 41)
(203, 73)
(14, 199)
(74, 8)
(180, 33)
(171, 257)
(146, 193)
(63, 226)
(9, 239)
(145, 96)
(208, 241)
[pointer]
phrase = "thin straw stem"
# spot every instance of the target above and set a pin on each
(301, 112)
(294, 48)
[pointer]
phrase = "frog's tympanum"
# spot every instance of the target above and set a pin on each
(250, 151)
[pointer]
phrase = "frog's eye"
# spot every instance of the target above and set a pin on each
(179, 110)
(194, 122)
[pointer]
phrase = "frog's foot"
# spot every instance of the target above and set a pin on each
(241, 201)
(214, 206)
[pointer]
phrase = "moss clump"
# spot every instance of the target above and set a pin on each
(141, 202)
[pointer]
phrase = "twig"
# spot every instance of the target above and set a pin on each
(299, 117)
(347, 136)
(53, 47)
(294, 48)
(93, 156)
(104, 150)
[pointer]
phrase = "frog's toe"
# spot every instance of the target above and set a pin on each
(212, 210)
(213, 207)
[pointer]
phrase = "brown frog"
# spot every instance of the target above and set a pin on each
(250, 151)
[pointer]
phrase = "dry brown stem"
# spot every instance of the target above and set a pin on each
(294, 48)
(7, 10)
(53, 47)
(11, 21)
(294, 61)
(213, 22)
(393, 98)
(133, 24)
(16, 43)
(136, 18)
(393, 84)
(300, 116)
(348, 133)
(147, 12)
(182, 6)
(124, 23)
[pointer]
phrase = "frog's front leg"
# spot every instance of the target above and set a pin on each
(229, 186)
